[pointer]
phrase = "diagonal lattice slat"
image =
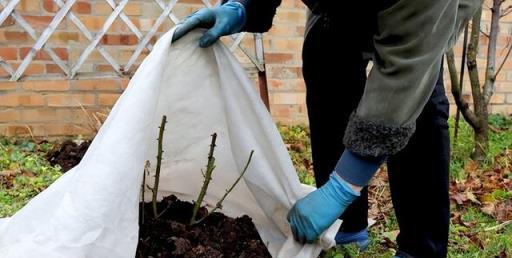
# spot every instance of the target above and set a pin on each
(8, 8)
(98, 37)
(171, 15)
(130, 24)
(95, 38)
(89, 37)
(32, 33)
(42, 39)
(150, 34)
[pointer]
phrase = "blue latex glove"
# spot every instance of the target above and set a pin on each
(224, 20)
(313, 214)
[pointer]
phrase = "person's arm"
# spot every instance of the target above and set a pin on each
(411, 38)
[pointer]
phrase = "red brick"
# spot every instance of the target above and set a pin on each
(40, 55)
(62, 53)
(288, 98)
(29, 6)
(104, 68)
(129, 39)
(93, 23)
(81, 7)
(8, 53)
(53, 68)
(21, 99)
(34, 68)
(62, 37)
(39, 115)
(124, 83)
(133, 8)
(126, 39)
(107, 99)
(285, 72)
(280, 110)
(278, 58)
(102, 8)
(70, 100)
(290, 16)
(16, 130)
(9, 115)
(16, 36)
(60, 85)
(45, 130)
(41, 22)
(291, 4)
(50, 6)
(66, 130)
(497, 98)
(8, 85)
(73, 115)
(96, 84)
(504, 87)
(286, 45)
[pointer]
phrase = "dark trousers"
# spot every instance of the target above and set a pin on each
(335, 73)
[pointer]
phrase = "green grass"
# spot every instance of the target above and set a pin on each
(463, 146)
(31, 173)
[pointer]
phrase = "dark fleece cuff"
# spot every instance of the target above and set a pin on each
(371, 139)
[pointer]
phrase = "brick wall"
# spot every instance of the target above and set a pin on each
(44, 102)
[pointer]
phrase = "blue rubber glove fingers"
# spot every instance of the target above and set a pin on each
(224, 20)
(230, 19)
(203, 18)
(317, 211)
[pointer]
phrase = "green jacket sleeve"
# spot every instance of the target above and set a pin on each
(411, 38)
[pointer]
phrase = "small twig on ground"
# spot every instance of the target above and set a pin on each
(499, 226)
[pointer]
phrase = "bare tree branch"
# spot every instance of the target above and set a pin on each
(490, 70)
(506, 11)
(509, 49)
(462, 104)
(472, 56)
(484, 33)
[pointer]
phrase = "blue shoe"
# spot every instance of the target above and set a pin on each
(360, 238)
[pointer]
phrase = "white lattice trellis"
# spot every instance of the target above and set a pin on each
(94, 39)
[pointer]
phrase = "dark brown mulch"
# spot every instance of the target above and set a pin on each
(216, 236)
(67, 154)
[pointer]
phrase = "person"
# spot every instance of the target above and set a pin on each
(398, 113)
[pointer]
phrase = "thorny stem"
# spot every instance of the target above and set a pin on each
(207, 178)
(158, 164)
(146, 171)
(219, 203)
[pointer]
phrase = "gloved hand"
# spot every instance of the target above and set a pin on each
(313, 214)
(224, 20)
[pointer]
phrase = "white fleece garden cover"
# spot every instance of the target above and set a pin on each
(92, 210)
